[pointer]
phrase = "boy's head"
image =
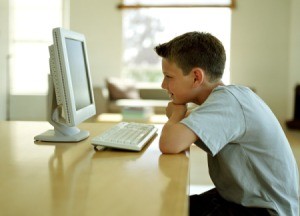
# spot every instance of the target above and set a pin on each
(195, 49)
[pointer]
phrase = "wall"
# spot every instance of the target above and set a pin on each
(260, 50)
(28, 107)
(3, 58)
(265, 47)
(294, 60)
(101, 23)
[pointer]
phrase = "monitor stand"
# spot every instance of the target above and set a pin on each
(61, 132)
(58, 136)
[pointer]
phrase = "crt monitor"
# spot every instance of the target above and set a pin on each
(70, 95)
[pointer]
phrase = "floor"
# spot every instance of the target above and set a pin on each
(199, 177)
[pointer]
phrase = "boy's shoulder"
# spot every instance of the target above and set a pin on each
(232, 87)
(234, 90)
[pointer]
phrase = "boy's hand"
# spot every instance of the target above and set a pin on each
(176, 137)
(176, 112)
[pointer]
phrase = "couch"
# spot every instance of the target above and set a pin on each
(117, 94)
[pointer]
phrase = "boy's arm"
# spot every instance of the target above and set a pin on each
(176, 137)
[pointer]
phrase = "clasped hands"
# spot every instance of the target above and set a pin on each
(176, 112)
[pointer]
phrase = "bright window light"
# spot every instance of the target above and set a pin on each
(31, 24)
(143, 29)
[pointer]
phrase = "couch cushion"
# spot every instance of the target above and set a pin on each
(121, 89)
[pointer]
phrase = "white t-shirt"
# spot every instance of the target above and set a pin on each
(250, 160)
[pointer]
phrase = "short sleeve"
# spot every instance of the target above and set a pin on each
(217, 122)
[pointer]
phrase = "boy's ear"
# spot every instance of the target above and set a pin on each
(199, 75)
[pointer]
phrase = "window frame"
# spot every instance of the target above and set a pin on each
(122, 6)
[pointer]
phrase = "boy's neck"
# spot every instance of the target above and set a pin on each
(206, 89)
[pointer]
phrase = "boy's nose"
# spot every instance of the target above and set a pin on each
(163, 84)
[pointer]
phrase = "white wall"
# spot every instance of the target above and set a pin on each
(101, 23)
(28, 107)
(260, 50)
(265, 47)
(294, 55)
(3, 57)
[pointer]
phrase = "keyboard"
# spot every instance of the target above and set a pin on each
(128, 136)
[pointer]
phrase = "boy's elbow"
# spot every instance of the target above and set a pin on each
(167, 148)
(173, 139)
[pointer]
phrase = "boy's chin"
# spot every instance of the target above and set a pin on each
(178, 102)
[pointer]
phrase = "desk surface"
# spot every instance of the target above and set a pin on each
(72, 179)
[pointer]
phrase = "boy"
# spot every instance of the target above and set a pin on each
(250, 160)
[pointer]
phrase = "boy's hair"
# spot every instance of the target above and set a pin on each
(195, 49)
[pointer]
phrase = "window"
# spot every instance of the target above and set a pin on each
(30, 32)
(145, 27)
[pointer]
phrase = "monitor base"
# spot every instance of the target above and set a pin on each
(56, 136)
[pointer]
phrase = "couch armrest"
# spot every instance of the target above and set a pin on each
(101, 99)
(153, 93)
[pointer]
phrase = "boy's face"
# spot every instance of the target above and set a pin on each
(179, 86)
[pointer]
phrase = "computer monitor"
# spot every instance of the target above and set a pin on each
(70, 95)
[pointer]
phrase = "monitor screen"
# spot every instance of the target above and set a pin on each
(78, 72)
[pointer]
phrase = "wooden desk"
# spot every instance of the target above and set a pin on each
(72, 179)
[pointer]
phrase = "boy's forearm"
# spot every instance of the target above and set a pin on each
(167, 142)
(172, 136)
